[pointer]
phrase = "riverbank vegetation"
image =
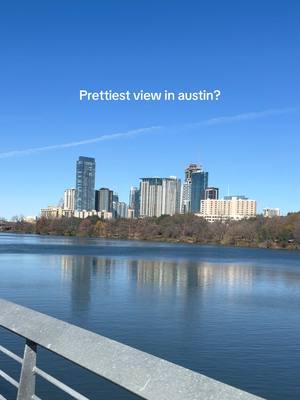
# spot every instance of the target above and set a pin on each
(277, 232)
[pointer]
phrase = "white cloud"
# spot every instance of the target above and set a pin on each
(115, 136)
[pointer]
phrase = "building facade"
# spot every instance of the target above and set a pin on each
(229, 208)
(199, 185)
(211, 193)
(93, 213)
(121, 210)
(186, 191)
(151, 197)
(271, 212)
(159, 196)
(52, 212)
(134, 200)
(69, 199)
(171, 190)
(104, 200)
(85, 183)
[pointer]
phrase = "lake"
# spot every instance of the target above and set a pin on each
(232, 314)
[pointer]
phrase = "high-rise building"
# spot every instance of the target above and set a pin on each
(151, 197)
(186, 192)
(69, 199)
(211, 193)
(85, 183)
(171, 189)
(199, 184)
(134, 200)
(121, 210)
(159, 196)
(104, 199)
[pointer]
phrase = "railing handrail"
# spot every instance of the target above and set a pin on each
(145, 375)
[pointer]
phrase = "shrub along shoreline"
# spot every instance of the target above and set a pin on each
(277, 232)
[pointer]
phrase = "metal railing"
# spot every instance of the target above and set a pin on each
(145, 375)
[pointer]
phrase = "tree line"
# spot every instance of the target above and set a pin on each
(277, 232)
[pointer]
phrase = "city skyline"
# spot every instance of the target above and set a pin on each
(87, 165)
(155, 196)
(70, 193)
(247, 139)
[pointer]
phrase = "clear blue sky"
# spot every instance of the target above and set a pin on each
(247, 49)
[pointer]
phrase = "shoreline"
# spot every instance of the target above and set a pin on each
(279, 233)
(286, 247)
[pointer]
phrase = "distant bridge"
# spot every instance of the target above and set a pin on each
(145, 375)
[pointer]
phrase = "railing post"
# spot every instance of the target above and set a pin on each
(26, 389)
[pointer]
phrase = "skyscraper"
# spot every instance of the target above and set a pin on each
(159, 196)
(199, 184)
(186, 194)
(171, 188)
(85, 183)
(134, 200)
(151, 197)
(121, 210)
(104, 199)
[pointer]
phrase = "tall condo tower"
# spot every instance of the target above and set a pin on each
(189, 195)
(85, 183)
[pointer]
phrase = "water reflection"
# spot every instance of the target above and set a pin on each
(181, 277)
(219, 311)
(189, 274)
(78, 271)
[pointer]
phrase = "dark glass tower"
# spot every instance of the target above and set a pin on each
(104, 199)
(199, 184)
(85, 183)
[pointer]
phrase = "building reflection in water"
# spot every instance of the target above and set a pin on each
(77, 270)
(182, 277)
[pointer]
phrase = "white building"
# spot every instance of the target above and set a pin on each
(271, 212)
(159, 196)
(230, 208)
(52, 212)
(131, 213)
(151, 197)
(91, 213)
(69, 199)
(171, 189)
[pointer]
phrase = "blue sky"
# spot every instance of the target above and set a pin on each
(249, 139)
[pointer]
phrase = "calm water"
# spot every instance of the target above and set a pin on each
(230, 313)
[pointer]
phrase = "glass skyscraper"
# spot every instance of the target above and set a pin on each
(199, 182)
(187, 188)
(104, 200)
(85, 183)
